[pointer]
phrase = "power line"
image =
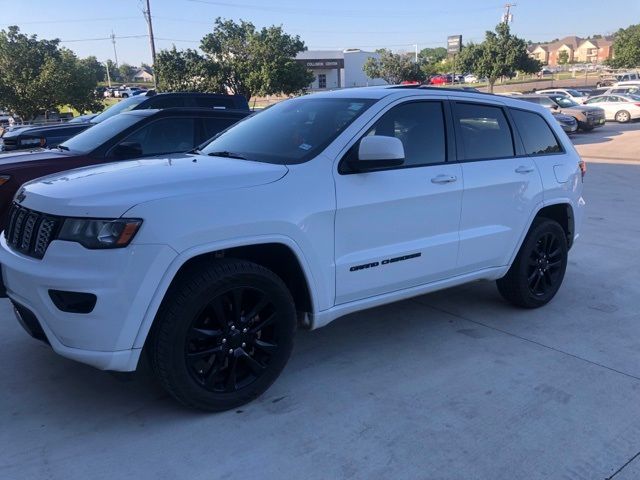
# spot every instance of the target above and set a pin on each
(94, 39)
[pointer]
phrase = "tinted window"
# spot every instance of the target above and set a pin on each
(292, 131)
(420, 127)
(213, 126)
(214, 102)
(168, 135)
(563, 101)
(596, 100)
(485, 131)
(120, 107)
(536, 134)
(93, 137)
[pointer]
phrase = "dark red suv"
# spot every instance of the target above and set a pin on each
(134, 134)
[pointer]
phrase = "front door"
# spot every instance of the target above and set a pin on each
(397, 228)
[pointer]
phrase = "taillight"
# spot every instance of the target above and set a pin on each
(583, 167)
(637, 104)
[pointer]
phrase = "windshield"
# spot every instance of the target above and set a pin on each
(576, 93)
(122, 106)
(289, 132)
(563, 101)
(95, 136)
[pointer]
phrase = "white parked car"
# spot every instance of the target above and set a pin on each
(621, 108)
(575, 95)
(317, 207)
(470, 78)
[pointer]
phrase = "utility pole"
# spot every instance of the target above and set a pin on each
(507, 17)
(106, 64)
(147, 16)
(416, 56)
(113, 40)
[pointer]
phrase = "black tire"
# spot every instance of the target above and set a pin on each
(124, 95)
(207, 350)
(538, 270)
(623, 116)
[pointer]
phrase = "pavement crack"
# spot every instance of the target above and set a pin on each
(623, 466)
(549, 347)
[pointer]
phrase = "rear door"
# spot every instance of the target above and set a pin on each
(398, 227)
(501, 185)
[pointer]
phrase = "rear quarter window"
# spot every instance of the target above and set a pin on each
(536, 134)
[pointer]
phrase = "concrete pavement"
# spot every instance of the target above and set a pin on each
(452, 385)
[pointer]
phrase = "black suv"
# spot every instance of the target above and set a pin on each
(24, 138)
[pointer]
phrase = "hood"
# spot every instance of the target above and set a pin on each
(46, 129)
(111, 189)
(12, 159)
(582, 109)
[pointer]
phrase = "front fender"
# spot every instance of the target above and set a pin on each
(196, 251)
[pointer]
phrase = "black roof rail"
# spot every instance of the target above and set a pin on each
(446, 89)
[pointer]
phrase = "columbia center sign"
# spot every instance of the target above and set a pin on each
(333, 63)
(454, 44)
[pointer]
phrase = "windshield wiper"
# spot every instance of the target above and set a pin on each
(227, 154)
(63, 147)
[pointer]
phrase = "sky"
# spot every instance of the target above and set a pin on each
(84, 26)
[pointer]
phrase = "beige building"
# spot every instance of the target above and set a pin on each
(594, 50)
(577, 50)
(143, 75)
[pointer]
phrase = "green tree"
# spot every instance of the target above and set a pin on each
(563, 57)
(76, 82)
(432, 55)
(127, 72)
(187, 71)
(256, 62)
(626, 48)
(114, 73)
(394, 68)
(97, 69)
(500, 54)
(28, 83)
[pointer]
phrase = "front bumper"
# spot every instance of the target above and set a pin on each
(123, 280)
(593, 122)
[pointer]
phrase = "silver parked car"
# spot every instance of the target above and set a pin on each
(621, 108)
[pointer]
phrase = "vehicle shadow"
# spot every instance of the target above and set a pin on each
(603, 134)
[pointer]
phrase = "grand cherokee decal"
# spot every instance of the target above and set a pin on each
(364, 266)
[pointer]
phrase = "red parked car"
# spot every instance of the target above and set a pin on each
(440, 80)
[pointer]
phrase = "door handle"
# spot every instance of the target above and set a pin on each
(524, 169)
(444, 179)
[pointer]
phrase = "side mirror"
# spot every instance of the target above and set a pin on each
(378, 152)
(555, 107)
(127, 150)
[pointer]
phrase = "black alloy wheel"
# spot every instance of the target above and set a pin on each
(230, 344)
(545, 263)
(223, 334)
(537, 272)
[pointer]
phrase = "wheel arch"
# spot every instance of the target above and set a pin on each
(561, 211)
(279, 254)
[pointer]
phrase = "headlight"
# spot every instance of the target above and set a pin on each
(4, 179)
(100, 233)
(33, 142)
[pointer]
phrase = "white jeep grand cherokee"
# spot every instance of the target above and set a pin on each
(317, 207)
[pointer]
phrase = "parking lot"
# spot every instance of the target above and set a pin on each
(451, 385)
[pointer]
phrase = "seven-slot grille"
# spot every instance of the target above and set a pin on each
(30, 232)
